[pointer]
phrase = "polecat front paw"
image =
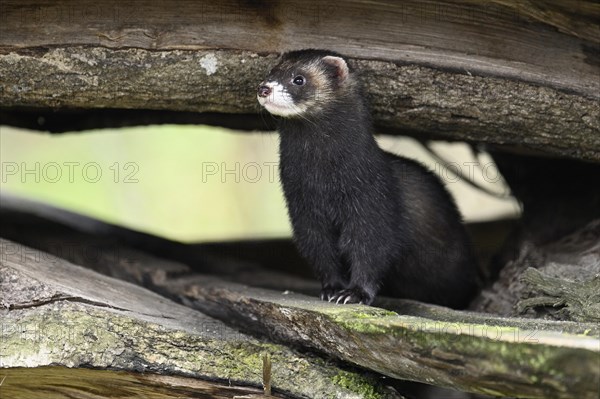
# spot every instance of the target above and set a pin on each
(352, 295)
(328, 291)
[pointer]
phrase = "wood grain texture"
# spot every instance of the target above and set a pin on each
(463, 350)
(409, 99)
(55, 313)
(57, 382)
(551, 42)
(521, 75)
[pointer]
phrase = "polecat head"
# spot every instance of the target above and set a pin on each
(305, 82)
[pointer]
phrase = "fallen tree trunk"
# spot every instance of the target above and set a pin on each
(492, 359)
(56, 382)
(500, 73)
(435, 345)
(57, 314)
(559, 280)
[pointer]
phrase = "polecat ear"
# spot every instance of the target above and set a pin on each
(340, 64)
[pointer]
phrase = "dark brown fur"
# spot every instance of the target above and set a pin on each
(368, 221)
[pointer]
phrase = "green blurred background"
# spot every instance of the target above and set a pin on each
(187, 183)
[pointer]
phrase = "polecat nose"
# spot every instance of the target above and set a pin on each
(264, 91)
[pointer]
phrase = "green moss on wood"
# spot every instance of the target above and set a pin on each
(358, 384)
(72, 334)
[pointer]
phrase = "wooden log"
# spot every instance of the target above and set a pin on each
(493, 359)
(580, 300)
(500, 73)
(551, 43)
(56, 382)
(435, 345)
(56, 313)
(558, 280)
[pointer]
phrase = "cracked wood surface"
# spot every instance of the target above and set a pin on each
(55, 313)
(464, 350)
(549, 43)
(56, 382)
(523, 77)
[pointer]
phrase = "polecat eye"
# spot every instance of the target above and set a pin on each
(299, 80)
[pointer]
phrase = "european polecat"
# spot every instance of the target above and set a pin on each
(368, 221)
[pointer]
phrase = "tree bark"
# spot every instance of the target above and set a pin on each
(501, 73)
(462, 350)
(55, 313)
(57, 382)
